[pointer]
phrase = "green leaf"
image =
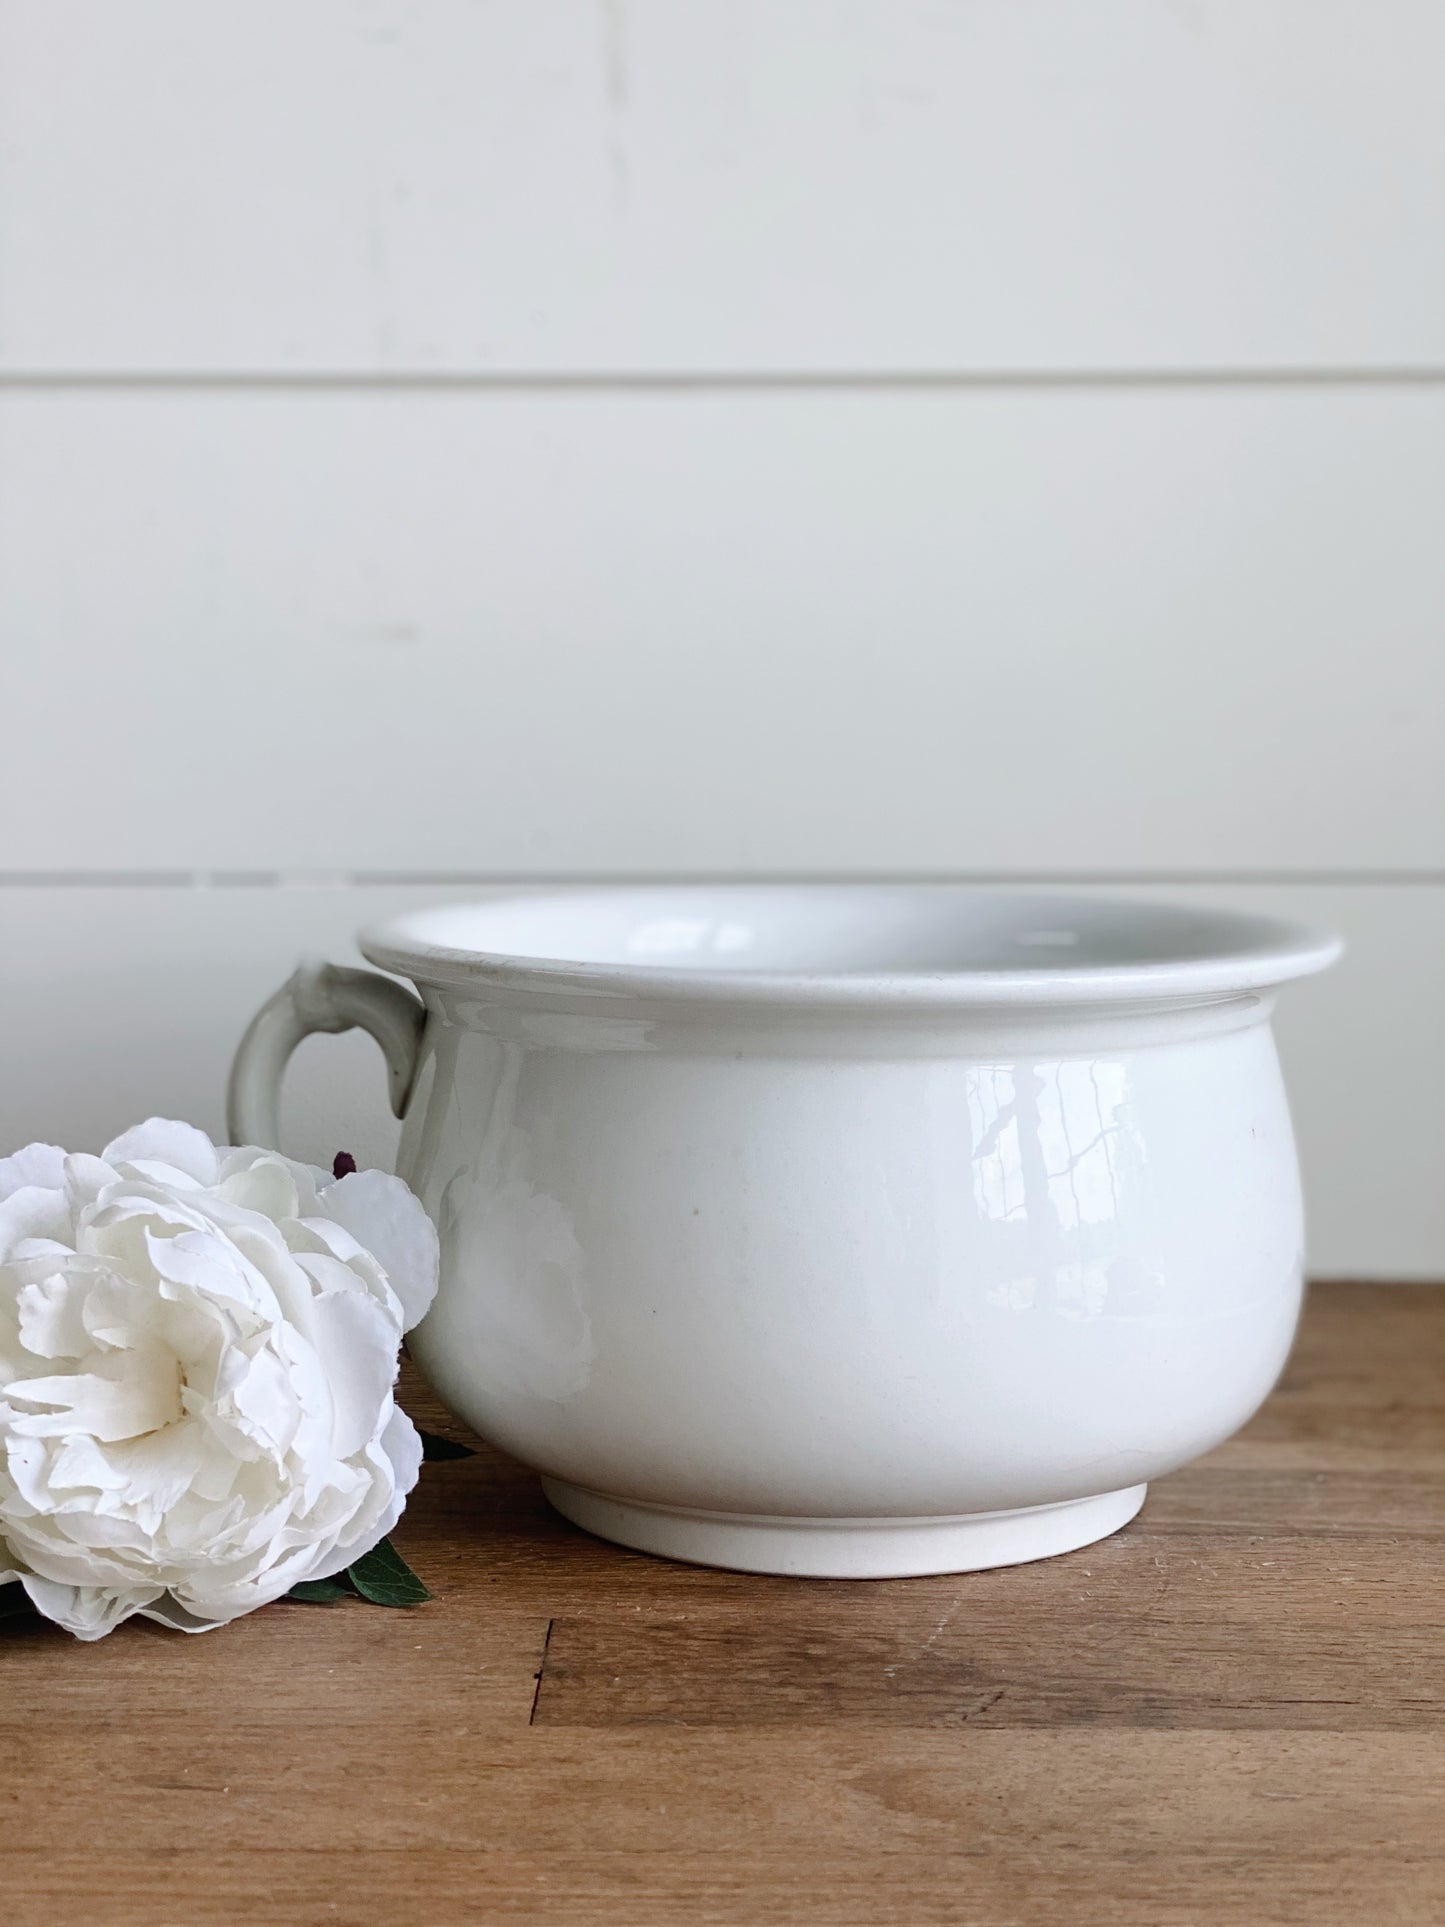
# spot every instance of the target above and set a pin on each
(321, 1592)
(434, 1446)
(385, 1578)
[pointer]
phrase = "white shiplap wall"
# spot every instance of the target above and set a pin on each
(540, 439)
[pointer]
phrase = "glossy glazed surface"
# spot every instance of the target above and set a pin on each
(885, 945)
(847, 1548)
(840, 1230)
(860, 1276)
(852, 1204)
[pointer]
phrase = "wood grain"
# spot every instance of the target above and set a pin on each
(735, 1881)
(1233, 1711)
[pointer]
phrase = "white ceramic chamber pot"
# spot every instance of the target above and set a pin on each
(855, 1231)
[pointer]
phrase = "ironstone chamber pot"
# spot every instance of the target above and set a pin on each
(845, 1231)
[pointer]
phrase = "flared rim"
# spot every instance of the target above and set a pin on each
(891, 946)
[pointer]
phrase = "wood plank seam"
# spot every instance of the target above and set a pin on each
(542, 1667)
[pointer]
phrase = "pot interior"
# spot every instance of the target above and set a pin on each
(839, 934)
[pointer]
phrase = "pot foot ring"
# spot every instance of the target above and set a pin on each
(847, 1548)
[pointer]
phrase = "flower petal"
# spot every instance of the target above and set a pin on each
(38, 1164)
(121, 1396)
(197, 1360)
(321, 1238)
(356, 1342)
(50, 1305)
(401, 1442)
(267, 1186)
(306, 1177)
(398, 1453)
(85, 1178)
(32, 1211)
(165, 1141)
(168, 1611)
(90, 1612)
(387, 1217)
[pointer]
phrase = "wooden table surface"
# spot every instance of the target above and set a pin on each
(1232, 1712)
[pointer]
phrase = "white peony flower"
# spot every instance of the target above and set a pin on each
(197, 1354)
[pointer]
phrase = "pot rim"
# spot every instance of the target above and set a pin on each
(1197, 953)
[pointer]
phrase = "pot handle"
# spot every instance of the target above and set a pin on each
(319, 996)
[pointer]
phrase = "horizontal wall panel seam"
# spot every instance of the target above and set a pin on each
(600, 879)
(534, 382)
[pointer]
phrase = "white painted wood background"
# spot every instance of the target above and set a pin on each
(444, 445)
